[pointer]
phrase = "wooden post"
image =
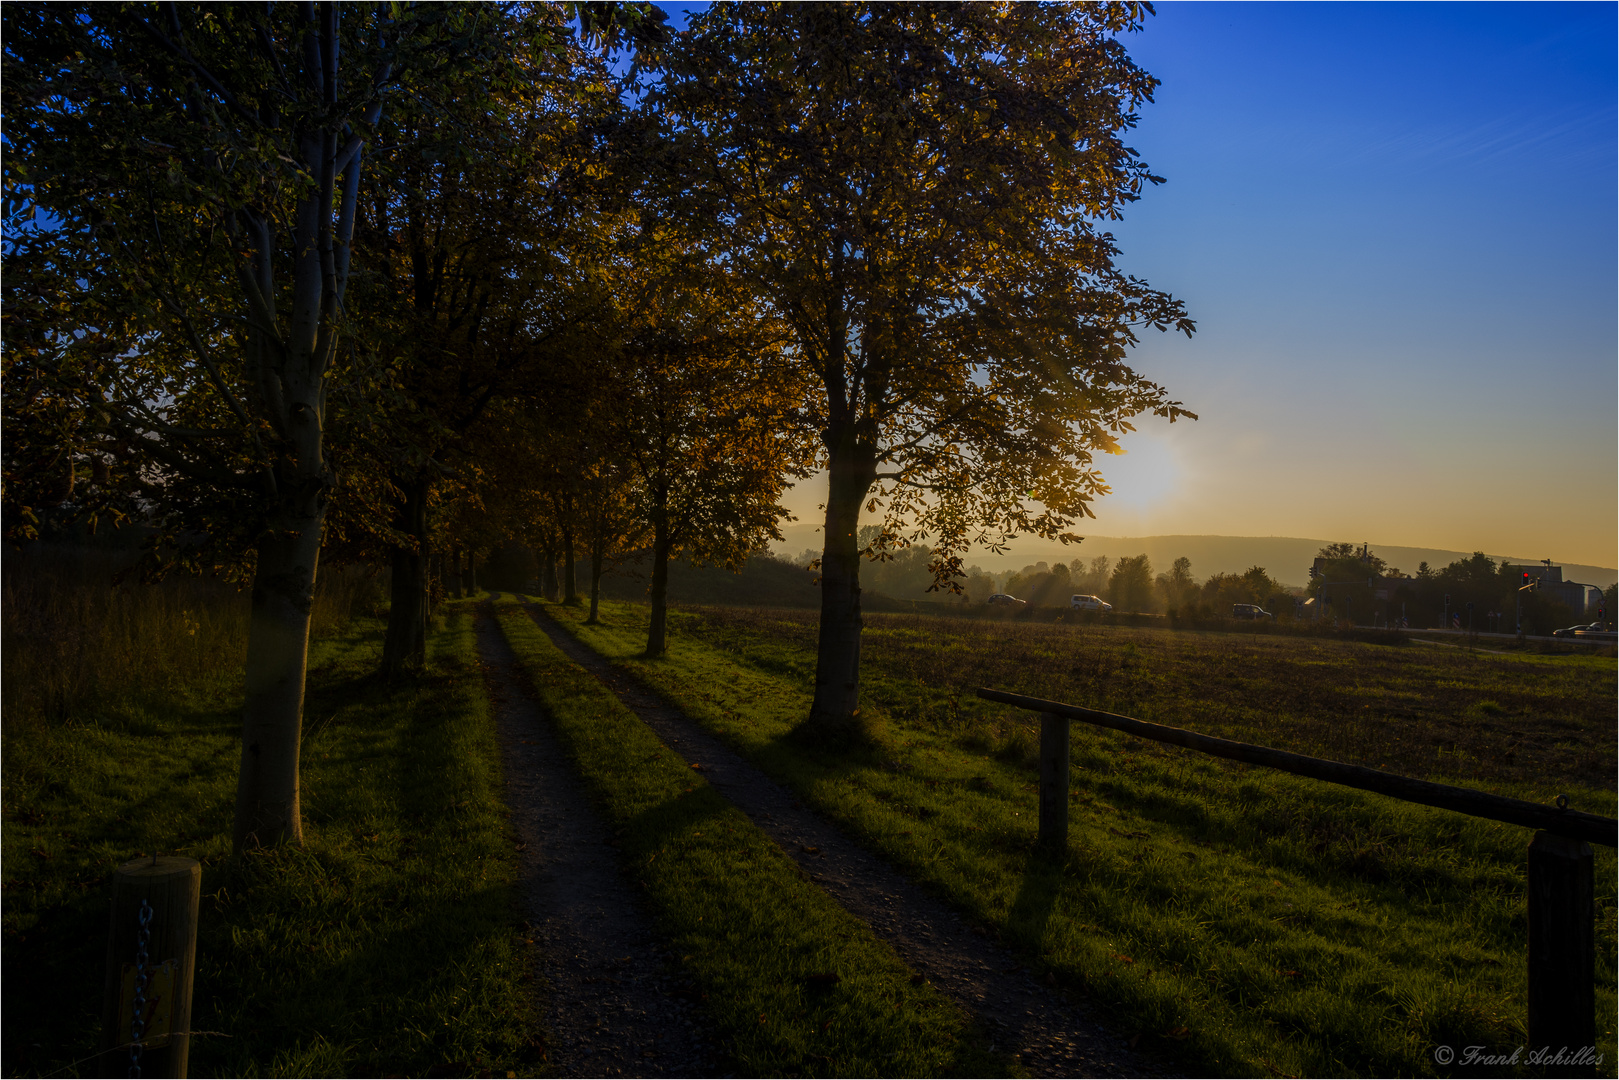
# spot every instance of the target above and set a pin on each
(1562, 948)
(1053, 782)
(172, 887)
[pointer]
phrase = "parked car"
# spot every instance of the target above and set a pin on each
(1590, 628)
(1084, 602)
(1001, 599)
(1250, 611)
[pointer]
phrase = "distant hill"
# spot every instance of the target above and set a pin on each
(1287, 558)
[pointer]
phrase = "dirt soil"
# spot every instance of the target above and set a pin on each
(616, 1003)
(1049, 1032)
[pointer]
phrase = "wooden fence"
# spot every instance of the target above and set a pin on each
(1562, 944)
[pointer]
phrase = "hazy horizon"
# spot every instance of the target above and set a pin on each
(1287, 558)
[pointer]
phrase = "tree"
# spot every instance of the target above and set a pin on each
(903, 573)
(705, 400)
(200, 170)
(486, 239)
(198, 176)
(1091, 579)
(1130, 587)
(914, 188)
(1347, 562)
(612, 526)
(1177, 587)
(1252, 586)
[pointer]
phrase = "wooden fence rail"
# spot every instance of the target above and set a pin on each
(1563, 822)
(1562, 946)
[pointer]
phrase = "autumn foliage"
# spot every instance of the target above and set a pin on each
(405, 285)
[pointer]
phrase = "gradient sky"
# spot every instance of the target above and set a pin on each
(1395, 227)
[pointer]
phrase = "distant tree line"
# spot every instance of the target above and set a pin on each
(1360, 586)
(1354, 585)
(1128, 583)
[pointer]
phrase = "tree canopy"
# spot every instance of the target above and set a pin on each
(294, 283)
(916, 190)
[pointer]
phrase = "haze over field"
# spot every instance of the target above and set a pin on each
(1287, 558)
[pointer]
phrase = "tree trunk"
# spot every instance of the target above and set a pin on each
(549, 588)
(472, 571)
(598, 551)
(277, 650)
(657, 642)
(570, 589)
(429, 583)
(834, 715)
(404, 650)
(453, 582)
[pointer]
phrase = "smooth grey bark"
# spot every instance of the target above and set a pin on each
(287, 360)
(267, 786)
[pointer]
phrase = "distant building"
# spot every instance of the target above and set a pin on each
(1576, 595)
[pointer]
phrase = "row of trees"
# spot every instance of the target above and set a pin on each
(310, 282)
(1129, 584)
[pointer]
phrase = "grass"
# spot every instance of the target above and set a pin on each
(1250, 922)
(795, 984)
(389, 944)
(84, 639)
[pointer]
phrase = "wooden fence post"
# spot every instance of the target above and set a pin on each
(170, 887)
(1053, 782)
(1562, 946)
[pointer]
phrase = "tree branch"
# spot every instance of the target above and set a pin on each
(208, 78)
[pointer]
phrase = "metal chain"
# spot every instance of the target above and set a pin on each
(138, 1027)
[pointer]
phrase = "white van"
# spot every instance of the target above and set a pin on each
(1082, 602)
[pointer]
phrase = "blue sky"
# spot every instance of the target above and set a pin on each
(1395, 226)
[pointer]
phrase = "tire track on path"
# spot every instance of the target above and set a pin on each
(1050, 1035)
(611, 1006)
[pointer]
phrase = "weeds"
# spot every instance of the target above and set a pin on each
(73, 640)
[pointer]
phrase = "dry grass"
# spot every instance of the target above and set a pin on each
(1541, 722)
(73, 640)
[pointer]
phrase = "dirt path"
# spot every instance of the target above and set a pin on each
(614, 1004)
(1050, 1035)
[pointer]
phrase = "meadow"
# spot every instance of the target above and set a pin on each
(393, 942)
(1235, 921)
(1252, 923)
(122, 739)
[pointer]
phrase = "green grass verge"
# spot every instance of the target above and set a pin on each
(754, 932)
(1251, 922)
(388, 945)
